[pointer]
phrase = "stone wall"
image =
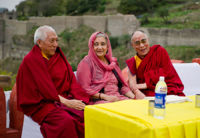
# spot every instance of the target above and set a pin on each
(116, 25)
(176, 37)
(2, 30)
(14, 27)
(18, 52)
(119, 25)
(2, 37)
(99, 23)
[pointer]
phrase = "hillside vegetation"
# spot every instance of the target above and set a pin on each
(179, 16)
(75, 46)
(154, 13)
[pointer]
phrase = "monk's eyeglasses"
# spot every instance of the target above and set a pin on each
(138, 43)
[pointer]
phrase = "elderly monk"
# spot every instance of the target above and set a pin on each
(148, 65)
(47, 90)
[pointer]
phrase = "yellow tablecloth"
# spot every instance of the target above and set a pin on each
(130, 119)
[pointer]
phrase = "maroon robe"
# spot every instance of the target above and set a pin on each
(40, 81)
(155, 64)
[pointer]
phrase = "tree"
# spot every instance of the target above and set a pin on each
(72, 6)
(21, 8)
(59, 7)
(41, 8)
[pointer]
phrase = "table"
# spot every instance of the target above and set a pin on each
(130, 119)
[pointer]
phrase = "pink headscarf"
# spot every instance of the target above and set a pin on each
(94, 61)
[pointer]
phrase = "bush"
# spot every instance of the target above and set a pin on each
(101, 9)
(138, 7)
(145, 19)
(74, 66)
(79, 7)
(114, 42)
(40, 8)
(186, 53)
(13, 78)
(164, 13)
(124, 40)
(66, 36)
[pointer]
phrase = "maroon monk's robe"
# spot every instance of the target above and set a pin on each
(155, 64)
(39, 82)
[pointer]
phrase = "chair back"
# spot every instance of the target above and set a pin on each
(2, 112)
(189, 74)
(16, 117)
(196, 60)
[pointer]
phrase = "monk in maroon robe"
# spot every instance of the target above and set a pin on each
(148, 65)
(47, 90)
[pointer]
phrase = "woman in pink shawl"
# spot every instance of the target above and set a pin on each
(99, 73)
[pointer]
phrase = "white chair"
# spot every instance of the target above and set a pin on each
(189, 74)
(30, 128)
(7, 96)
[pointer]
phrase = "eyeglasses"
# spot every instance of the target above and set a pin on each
(143, 41)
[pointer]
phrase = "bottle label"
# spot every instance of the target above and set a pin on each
(160, 100)
(161, 88)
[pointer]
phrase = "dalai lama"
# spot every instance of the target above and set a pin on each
(148, 65)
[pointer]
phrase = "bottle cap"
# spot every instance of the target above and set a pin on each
(162, 78)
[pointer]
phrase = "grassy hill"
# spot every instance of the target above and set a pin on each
(179, 16)
(75, 43)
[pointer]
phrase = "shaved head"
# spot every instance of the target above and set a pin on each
(140, 43)
(136, 34)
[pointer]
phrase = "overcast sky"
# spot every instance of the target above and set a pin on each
(10, 4)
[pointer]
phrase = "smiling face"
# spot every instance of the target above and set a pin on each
(140, 43)
(100, 47)
(49, 45)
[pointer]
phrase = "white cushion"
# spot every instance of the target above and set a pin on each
(189, 74)
(30, 129)
(7, 97)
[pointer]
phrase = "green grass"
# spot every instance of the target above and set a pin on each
(185, 53)
(154, 23)
(176, 14)
(180, 17)
(75, 44)
(13, 78)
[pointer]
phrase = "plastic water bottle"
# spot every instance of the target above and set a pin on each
(160, 94)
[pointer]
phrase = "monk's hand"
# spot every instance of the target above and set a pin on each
(139, 94)
(109, 98)
(141, 86)
(76, 104)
